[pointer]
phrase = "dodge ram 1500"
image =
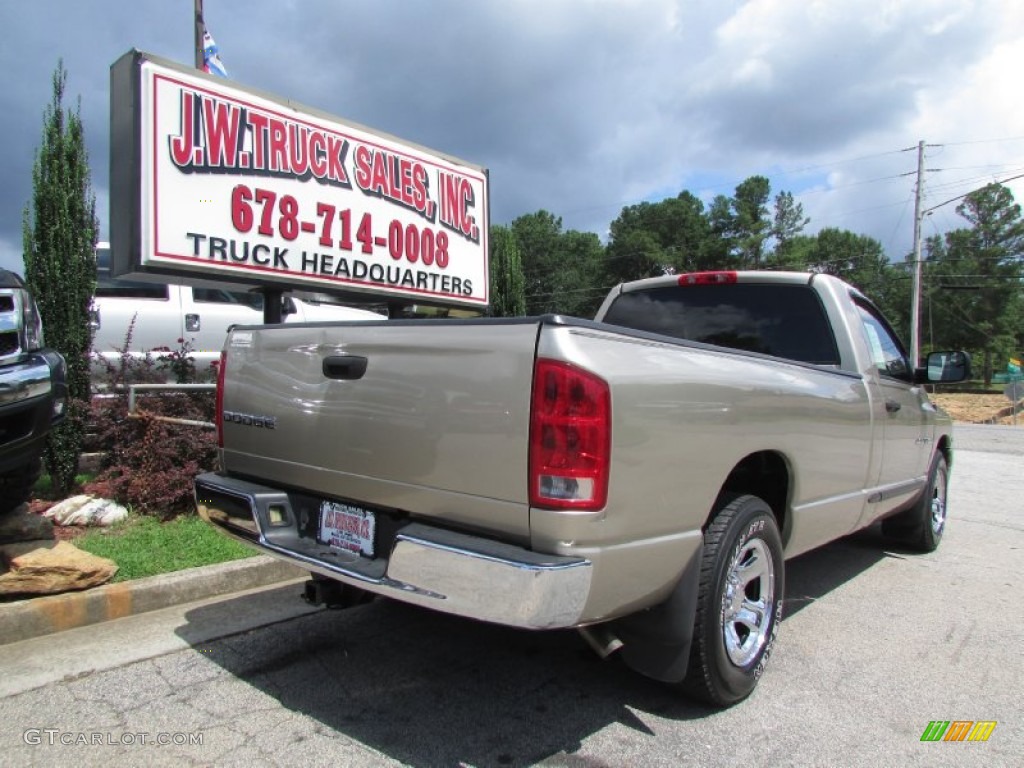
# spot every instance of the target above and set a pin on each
(642, 477)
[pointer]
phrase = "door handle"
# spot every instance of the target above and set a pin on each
(345, 367)
(191, 323)
(892, 406)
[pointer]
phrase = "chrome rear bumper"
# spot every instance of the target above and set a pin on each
(432, 567)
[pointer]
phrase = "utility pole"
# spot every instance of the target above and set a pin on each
(200, 27)
(915, 304)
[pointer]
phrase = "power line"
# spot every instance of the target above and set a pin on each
(982, 141)
(965, 194)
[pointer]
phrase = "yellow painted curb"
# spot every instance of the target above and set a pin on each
(24, 619)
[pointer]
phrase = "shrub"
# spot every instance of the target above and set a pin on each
(179, 362)
(148, 463)
(129, 368)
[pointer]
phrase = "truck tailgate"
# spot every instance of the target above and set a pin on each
(301, 410)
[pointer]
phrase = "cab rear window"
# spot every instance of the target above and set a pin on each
(786, 321)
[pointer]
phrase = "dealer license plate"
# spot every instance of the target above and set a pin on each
(348, 528)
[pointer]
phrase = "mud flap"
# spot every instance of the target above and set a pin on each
(657, 640)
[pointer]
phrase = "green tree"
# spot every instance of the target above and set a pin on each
(720, 249)
(741, 234)
(60, 230)
(789, 220)
(750, 223)
(537, 239)
(857, 259)
(977, 272)
(678, 231)
(586, 288)
(560, 269)
(508, 298)
(634, 254)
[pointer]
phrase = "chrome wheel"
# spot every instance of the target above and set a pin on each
(747, 602)
(739, 601)
(922, 525)
(939, 501)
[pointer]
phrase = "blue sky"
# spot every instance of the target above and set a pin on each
(581, 107)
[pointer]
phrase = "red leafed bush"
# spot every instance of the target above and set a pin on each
(148, 463)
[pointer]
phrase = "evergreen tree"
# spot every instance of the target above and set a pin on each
(560, 267)
(508, 297)
(789, 220)
(537, 237)
(650, 239)
(60, 232)
(978, 271)
(751, 224)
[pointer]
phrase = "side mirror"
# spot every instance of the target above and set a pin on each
(288, 306)
(946, 367)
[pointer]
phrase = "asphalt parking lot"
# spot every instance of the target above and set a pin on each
(876, 644)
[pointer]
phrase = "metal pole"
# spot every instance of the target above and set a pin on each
(915, 306)
(272, 298)
(200, 27)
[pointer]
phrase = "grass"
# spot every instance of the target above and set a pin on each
(143, 546)
(43, 489)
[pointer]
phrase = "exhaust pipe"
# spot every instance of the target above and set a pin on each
(601, 639)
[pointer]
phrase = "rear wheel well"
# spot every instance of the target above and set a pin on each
(766, 475)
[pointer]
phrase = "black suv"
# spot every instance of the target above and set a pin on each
(33, 391)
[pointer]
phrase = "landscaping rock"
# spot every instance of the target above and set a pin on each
(86, 510)
(52, 569)
(22, 525)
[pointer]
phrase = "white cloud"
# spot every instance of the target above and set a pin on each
(583, 107)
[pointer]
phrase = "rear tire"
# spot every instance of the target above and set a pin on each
(16, 485)
(921, 527)
(739, 605)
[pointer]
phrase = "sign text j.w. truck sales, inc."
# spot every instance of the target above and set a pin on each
(212, 181)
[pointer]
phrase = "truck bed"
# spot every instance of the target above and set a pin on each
(375, 436)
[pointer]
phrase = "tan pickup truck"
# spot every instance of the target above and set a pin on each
(641, 477)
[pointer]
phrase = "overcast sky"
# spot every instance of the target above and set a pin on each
(582, 107)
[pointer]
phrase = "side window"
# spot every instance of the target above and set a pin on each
(120, 288)
(129, 289)
(212, 296)
(886, 351)
(220, 296)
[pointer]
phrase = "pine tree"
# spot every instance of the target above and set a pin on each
(980, 269)
(60, 232)
(507, 283)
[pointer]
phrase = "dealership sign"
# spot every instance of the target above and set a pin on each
(213, 181)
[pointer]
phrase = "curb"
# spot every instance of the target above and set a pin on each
(25, 619)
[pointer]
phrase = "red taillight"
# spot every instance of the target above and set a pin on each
(708, 278)
(218, 416)
(570, 437)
